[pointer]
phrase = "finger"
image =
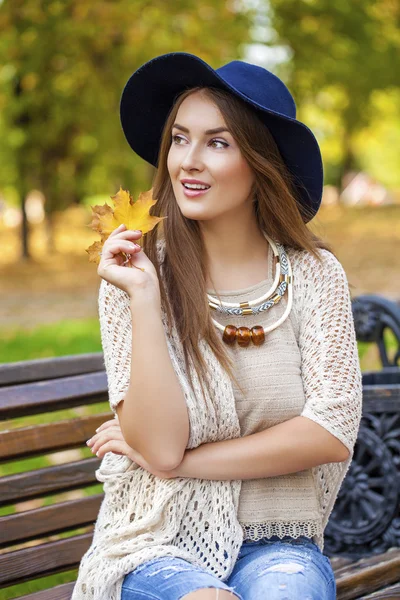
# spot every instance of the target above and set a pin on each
(118, 229)
(120, 447)
(113, 430)
(126, 234)
(109, 434)
(97, 435)
(106, 424)
(116, 246)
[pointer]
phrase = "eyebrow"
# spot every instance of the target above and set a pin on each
(209, 131)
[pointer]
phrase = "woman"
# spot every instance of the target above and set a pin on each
(231, 359)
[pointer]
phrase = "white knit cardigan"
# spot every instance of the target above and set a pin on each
(142, 516)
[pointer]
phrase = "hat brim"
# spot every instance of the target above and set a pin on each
(150, 93)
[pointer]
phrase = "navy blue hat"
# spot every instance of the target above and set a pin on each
(151, 91)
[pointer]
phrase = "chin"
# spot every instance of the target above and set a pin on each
(189, 208)
(194, 215)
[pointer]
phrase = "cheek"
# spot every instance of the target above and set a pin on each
(237, 175)
(169, 162)
(173, 164)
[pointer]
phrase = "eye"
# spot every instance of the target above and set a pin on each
(213, 141)
(176, 137)
(219, 142)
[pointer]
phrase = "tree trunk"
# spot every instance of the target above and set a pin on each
(25, 251)
(50, 241)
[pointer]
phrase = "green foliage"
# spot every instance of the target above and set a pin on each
(64, 68)
(351, 44)
(341, 53)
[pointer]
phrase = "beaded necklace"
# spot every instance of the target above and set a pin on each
(283, 283)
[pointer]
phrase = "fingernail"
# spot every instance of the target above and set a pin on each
(97, 453)
(138, 231)
(88, 442)
(97, 429)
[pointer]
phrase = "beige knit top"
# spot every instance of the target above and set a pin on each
(270, 376)
(308, 366)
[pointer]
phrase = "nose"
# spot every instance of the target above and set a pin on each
(192, 160)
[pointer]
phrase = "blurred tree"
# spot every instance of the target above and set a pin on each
(64, 66)
(341, 53)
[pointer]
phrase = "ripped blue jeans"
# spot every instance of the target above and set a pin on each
(273, 568)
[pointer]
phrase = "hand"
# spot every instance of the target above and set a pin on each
(132, 280)
(109, 438)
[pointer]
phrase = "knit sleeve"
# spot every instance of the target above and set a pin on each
(116, 339)
(329, 357)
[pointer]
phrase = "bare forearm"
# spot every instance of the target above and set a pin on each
(291, 446)
(153, 415)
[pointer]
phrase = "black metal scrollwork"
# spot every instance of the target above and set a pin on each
(368, 501)
(366, 516)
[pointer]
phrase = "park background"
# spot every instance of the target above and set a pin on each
(63, 65)
(62, 149)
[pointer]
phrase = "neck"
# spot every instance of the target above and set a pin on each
(233, 244)
(236, 253)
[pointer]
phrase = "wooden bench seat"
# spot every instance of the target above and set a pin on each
(367, 575)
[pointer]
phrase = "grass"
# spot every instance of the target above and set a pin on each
(79, 336)
(36, 585)
(74, 336)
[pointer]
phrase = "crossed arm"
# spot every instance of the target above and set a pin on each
(288, 447)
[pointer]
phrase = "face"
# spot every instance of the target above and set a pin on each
(213, 158)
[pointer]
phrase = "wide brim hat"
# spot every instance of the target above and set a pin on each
(151, 91)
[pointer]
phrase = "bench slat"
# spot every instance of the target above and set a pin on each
(47, 368)
(338, 562)
(381, 398)
(53, 519)
(50, 437)
(60, 592)
(40, 561)
(64, 592)
(368, 575)
(61, 478)
(389, 593)
(56, 394)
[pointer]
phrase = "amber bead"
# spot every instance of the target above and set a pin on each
(257, 335)
(229, 335)
(243, 336)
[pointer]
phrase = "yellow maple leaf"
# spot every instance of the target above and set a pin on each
(134, 214)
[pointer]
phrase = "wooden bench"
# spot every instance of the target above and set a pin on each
(49, 511)
(42, 387)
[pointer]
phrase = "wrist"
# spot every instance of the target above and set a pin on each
(144, 299)
(183, 469)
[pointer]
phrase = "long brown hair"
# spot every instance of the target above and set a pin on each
(277, 210)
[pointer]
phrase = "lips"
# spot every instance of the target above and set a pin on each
(191, 193)
(186, 183)
(194, 181)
